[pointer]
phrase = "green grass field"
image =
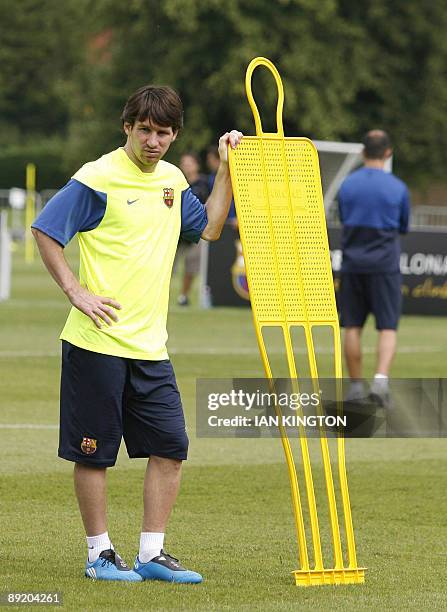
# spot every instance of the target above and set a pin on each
(233, 519)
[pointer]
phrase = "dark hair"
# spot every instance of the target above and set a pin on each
(161, 105)
(376, 142)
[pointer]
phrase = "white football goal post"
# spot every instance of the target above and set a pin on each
(5, 256)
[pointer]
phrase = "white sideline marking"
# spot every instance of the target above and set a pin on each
(234, 351)
(298, 351)
(18, 303)
(29, 354)
(26, 426)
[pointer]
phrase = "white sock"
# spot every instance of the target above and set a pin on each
(151, 544)
(380, 383)
(96, 544)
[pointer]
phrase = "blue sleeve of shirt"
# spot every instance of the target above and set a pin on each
(75, 208)
(232, 211)
(404, 213)
(194, 217)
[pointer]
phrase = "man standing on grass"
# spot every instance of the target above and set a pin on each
(188, 251)
(129, 209)
(374, 210)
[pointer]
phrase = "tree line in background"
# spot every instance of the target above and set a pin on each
(67, 68)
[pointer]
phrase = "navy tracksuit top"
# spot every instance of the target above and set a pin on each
(374, 208)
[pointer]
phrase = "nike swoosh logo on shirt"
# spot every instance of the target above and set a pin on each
(132, 201)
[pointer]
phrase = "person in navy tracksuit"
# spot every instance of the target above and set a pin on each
(374, 209)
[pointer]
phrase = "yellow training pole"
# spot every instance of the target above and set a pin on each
(30, 211)
(279, 202)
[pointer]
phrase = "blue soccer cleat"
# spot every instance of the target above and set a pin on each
(110, 566)
(165, 567)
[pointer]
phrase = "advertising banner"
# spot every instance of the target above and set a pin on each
(423, 264)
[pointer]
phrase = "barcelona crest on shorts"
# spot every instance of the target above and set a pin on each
(88, 446)
(168, 196)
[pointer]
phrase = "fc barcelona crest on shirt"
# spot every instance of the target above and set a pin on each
(168, 196)
(88, 446)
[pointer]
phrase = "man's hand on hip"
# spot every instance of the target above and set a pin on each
(99, 309)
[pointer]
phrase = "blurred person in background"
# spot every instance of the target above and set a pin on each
(190, 166)
(374, 209)
(128, 209)
(212, 161)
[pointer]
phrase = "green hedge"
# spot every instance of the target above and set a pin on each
(46, 154)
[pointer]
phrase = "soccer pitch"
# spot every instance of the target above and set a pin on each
(233, 520)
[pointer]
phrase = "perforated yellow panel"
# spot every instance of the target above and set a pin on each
(279, 203)
(277, 190)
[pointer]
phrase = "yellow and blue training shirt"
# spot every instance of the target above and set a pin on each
(128, 224)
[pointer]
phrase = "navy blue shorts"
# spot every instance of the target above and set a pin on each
(106, 398)
(379, 294)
